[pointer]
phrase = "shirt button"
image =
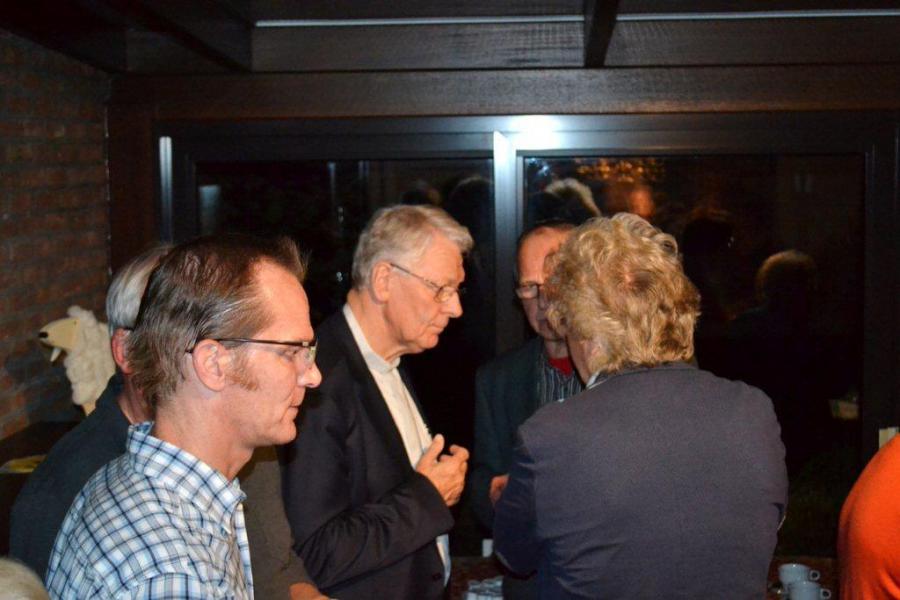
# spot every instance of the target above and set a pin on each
(437, 576)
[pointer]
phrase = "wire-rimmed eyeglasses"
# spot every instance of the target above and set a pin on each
(303, 349)
(442, 293)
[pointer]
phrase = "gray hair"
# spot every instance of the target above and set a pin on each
(618, 284)
(123, 300)
(573, 191)
(19, 582)
(402, 233)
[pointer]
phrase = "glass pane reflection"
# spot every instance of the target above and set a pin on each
(324, 205)
(775, 245)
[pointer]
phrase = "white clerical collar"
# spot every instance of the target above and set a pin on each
(373, 361)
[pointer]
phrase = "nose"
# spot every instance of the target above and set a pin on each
(543, 303)
(453, 306)
(311, 377)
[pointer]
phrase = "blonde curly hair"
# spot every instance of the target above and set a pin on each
(617, 283)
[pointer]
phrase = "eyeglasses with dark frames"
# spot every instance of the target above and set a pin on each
(442, 293)
(305, 349)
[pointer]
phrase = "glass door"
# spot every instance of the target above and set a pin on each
(776, 222)
(787, 224)
(321, 190)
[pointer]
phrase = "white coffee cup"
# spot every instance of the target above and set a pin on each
(790, 572)
(807, 590)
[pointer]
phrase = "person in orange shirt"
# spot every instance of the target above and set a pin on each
(867, 538)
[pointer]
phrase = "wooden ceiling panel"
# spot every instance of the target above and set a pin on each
(151, 52)
(397, 9)
(754, 42)
(438, 47)
(731, 6)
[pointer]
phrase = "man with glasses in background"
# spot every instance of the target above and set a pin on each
(367, 488)
(223, 352)
(512, 387)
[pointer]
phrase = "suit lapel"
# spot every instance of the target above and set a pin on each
(530, 375)
(371, 399)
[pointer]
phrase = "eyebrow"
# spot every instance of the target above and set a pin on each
(449, 281)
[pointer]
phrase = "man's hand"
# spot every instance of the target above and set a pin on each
(446, 472)
(498, 484)
(306, 591)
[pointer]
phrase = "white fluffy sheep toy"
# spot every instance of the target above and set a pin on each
(89, 363)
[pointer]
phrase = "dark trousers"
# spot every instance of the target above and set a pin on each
(520, 588)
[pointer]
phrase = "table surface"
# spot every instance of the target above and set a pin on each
(466, 568)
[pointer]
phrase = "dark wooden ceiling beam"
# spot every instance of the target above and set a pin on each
(206, 36)
(152, 52)
(204, 26)
(551, 91)
(68, 28)
(599, 22)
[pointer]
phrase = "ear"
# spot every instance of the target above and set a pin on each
(381, 280)
(117, 345)
(210, 361)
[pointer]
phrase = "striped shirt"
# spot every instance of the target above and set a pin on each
(553, 384)
(154, 523)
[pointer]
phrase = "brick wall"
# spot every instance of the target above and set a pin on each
(54, 218)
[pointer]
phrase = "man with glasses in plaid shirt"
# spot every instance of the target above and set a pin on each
(223, 350)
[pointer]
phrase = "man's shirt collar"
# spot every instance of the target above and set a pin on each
(596, 379)
(373, 361)
(184, 474)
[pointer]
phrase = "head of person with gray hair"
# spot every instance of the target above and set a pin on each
(41, 506)
(123, 302)
(407, 271)
(403, 232)
(127, 287)
(619, 295)
(19, 582)
(566, 200)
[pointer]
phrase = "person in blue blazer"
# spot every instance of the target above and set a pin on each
(659, 480)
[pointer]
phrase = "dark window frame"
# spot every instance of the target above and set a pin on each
(508, 139)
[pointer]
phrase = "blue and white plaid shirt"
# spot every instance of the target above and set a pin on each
(154, 523)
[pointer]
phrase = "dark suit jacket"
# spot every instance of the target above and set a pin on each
(364, 521)
(275, 565)
(41, 506)
(656, 483)
(506, 394)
